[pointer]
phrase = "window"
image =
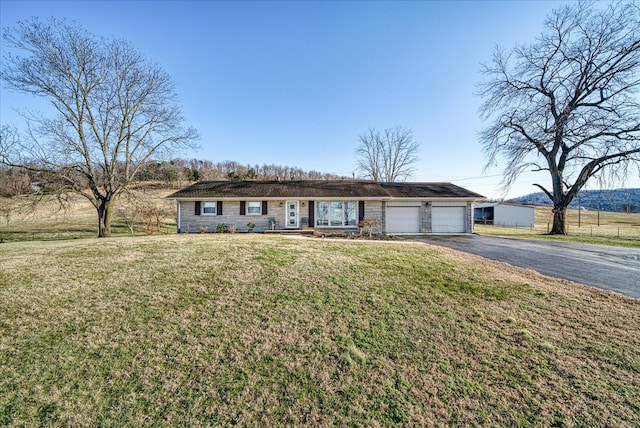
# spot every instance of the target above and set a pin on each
(322, 218)
(349, 213)
(254, 208)
(336, 214)
(209, 208)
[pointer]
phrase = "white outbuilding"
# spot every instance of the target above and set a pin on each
(504, 214)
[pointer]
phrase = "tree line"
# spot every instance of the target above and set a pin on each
(181, 170)
(19, 181)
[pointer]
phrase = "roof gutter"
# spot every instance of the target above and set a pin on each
(318, 198)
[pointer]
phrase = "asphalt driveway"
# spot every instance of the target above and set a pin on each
(610, 268)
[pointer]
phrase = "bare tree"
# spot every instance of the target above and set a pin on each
(388, 155)
(13, 181)
(114, 111)
(568, 102)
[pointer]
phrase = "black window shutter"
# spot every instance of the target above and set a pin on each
(360, 211)
(219, 208)
(243, 207)
(197, 212)
(264, 208)
(312, 214)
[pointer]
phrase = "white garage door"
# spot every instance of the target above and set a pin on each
(402, 220)
(448, 220)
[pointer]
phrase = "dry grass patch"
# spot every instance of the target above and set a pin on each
(30, 219)
(206, 330)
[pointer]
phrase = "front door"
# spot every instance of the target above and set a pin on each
(292, 214)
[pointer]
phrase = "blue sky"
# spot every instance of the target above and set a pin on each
(296, 82)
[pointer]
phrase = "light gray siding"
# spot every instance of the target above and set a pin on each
(373, 209)
(190, 223)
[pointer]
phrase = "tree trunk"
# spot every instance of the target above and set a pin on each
(105, 213)
(559, 226)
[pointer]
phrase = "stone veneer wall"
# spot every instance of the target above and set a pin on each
(375, 209)
(425, 217)
(470, 217)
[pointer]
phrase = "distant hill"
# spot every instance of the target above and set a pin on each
(615, 200)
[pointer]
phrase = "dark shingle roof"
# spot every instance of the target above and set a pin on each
(320, 189)
(427, 190)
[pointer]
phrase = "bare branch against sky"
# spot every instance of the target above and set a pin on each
(113, 110)
(568, 102)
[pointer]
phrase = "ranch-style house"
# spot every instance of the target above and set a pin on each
(328, 205)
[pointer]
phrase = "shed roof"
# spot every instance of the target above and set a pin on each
(320, 189)
(495, 204)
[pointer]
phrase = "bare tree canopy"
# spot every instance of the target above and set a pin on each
(389, 155)
(568, 103)
(114, 111)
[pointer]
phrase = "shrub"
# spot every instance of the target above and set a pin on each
(202, 229)
(370, 225)
(149, 214)
(251, 225)
(129, 216)
(153, 216)
(232, 228)
(221, 228)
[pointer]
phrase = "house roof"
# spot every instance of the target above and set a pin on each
(320, 189)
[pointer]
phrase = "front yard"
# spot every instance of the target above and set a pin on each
(209, 330)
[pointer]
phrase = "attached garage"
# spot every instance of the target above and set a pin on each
(402, 218)
(448, 219)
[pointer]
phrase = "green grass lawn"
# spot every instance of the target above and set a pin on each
(210, 330)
